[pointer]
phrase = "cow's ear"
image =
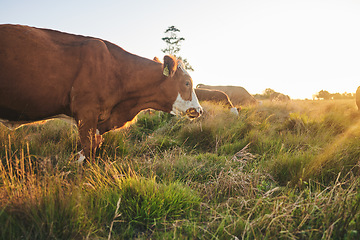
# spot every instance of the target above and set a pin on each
(156, 59)
(170, 65)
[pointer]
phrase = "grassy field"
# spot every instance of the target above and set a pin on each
(276, 171)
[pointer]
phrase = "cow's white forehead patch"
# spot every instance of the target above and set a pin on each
(180, 105)
(234, 111)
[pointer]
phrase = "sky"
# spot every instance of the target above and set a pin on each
(296, 47)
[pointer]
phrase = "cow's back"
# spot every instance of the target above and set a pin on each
(238, 95)
(37, 70)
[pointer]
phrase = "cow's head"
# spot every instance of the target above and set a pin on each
(179, 87)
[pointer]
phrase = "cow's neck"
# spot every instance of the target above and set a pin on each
(127, 110)
(143, 75)
(143, 89)
(149, 95)
(143, 84)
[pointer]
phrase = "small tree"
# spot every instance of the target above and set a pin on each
(173, 45)
(324, 94)
(268, 92)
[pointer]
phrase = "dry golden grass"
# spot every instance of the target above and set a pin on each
(276, 171)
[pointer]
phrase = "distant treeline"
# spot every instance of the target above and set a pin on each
(323, 94)
(268, 93)
(265, 95)
(271, 94)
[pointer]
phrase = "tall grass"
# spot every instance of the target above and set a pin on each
(276, 171)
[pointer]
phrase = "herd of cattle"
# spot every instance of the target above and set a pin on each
(233, 97)
(97, 85)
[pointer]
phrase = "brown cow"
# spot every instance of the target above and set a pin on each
(358, 98)
(46, 74)
(237, 95)
(215, 96)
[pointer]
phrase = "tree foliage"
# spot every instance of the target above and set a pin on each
(323, 94)
(267, 92)
(173, 45)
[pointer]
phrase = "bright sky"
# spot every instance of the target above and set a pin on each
(297, 47)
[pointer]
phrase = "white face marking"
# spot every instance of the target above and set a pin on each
(180, 105)
(234, 111)
(97, 132)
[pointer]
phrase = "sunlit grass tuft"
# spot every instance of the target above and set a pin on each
(276, 171)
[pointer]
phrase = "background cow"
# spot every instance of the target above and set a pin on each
(358, 98)
(237, 95)
(215, 96)
(46, 73)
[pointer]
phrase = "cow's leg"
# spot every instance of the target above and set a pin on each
(90, 137)
(90, 142)
(87, 139)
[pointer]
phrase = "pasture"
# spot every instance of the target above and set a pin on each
(276, 171)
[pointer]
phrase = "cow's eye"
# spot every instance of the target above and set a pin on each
(187, 84)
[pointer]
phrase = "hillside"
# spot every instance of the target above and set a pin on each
(276, 171)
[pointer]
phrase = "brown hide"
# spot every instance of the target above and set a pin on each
(237, 95)
(45, 73)
(215, 96)
(358, 98)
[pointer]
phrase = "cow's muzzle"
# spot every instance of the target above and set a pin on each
(193, 113)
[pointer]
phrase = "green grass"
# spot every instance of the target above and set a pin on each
(276, 171)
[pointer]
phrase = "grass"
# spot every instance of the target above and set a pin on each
(276, 171)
